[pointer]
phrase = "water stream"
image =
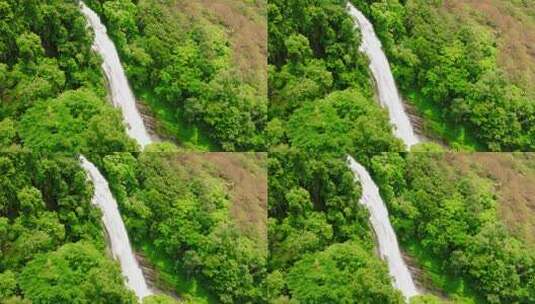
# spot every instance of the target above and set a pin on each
(389, 98)
(121, 94)
(122, 97)
(386, 237)
(118, 238)
(386, 86)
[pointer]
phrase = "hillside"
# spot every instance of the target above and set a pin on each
(244, 23)
(513, 25)
(465, 220)
(198, 68)
(466, 66)
(52, 91)
(321, 93)
(514, 177)
(198, 219)
(320, 240)
(246, 176)
(52, 241)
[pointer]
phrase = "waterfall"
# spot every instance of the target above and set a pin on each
(386, 237)
(118, 238)
(120, 91)
(122, 97)
(386, 86)
(371, 199)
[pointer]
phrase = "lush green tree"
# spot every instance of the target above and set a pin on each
(75, 273)
(454, 219)
(30, 200)
(8, 132)
(29, 45)
(232, 110)
(75, 121)
(343, 273)
(426, 299)
(8, 284)
(345, 121)
(159, 299)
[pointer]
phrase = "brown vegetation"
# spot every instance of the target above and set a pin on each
(514, 178)
(245, 175)
(246, 25)
(513, 23)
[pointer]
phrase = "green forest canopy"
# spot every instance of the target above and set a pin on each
(52, 91)
(52, 247)
(448, 218)
(320, 92)
(321, 245)
(190, 71)
(450, 63)
(189, 223)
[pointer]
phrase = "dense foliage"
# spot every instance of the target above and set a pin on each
(321, 247)
(453, 218)
(51, 88)
(321, 96)
(450, 64)
(159, 299)
(187, 67)
(184, 212)
(51, 240)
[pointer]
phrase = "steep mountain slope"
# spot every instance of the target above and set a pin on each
(198, 218)
(198, 66)
(513, 25)
(52, 91)
(52, 243)
(320, 240)
(321, 94)
(514, 177)
(466, 66)
(466, 220)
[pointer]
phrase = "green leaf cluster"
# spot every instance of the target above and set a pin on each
(453, 215)
(321, 245)
(451, 64)
(51, 239)
(320, 91)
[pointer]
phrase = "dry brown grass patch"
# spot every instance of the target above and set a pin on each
(245, 177)
(246, 26)
(514, 26)
(514, 177)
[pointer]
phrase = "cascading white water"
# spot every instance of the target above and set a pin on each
(386, 237)
(121, 94)
(386, 86)
(389, 98)
(119, 242)
(123, 98)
